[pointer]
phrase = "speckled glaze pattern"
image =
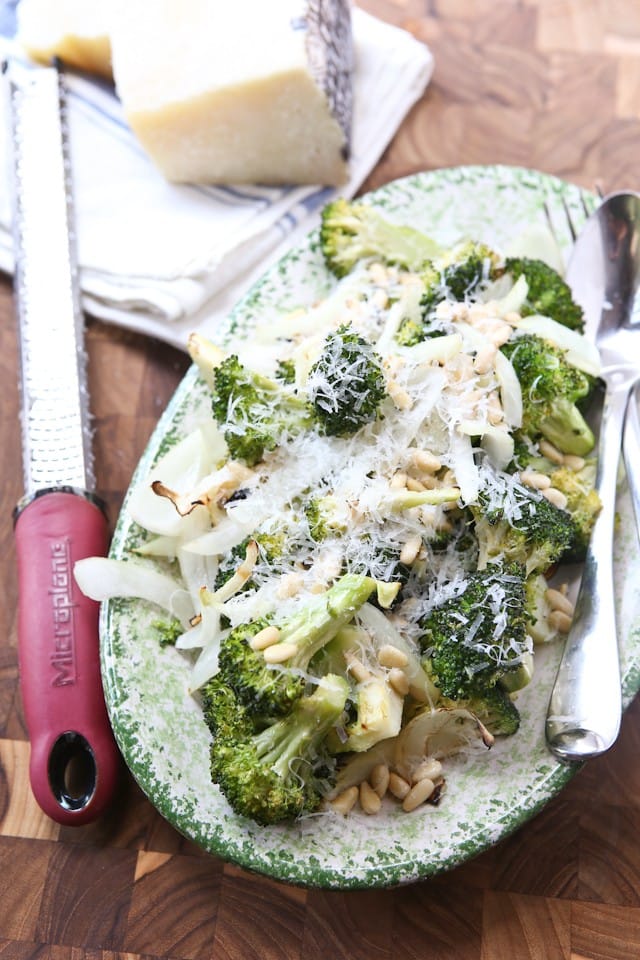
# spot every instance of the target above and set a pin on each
(157, 723)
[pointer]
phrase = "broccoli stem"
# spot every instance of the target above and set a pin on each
(320, 619)
(406, 499)
(567, 429)
(283, 744)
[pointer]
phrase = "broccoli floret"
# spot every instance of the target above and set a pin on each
(539, 536)
(326, 517)
(458, 272)
(278, 772)
(476, 639)
(495, 709)
(256, 413)
(286, 371)
(583, 503)
(346, 384)
(527, 456)
(270, 546)
(551, 389)
(548, 294)
(351, 232)
(454, 275)
(269, 682)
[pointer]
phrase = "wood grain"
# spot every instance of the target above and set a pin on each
(552, 84)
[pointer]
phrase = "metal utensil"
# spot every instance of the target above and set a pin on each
(583, 719)
(74, 760)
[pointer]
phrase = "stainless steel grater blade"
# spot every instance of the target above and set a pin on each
(55, 419)
(74, 760)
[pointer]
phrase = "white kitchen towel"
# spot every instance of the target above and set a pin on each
(166, 259)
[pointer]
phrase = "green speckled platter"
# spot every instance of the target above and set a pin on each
(158, 725)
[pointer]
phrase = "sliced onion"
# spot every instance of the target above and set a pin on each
(181, 468)
(103, 578)
(510, 390)
(580, 351)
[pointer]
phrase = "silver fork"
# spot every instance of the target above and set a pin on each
(572, 224)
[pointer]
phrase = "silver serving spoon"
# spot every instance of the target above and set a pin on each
(585, 706)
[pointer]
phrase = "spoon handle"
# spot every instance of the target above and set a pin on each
(585, 706)
(631, 449)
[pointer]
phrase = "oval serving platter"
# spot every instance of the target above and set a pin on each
(158, 725)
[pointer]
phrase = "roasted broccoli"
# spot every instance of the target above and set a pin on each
(454, 275)
(548, 294)
(282, 770)
(256, 413)
(270, 545)
(477, 640)
(495, 709)
(374, 711)
(346, 384)
(326, 516)
(536, 533)
(285, 371)
(268, 681)
(583, 503)
(551, 389)
(352, 231)
(538, 609)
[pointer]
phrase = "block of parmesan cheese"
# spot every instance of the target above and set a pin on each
(237, 91)
(74, 30)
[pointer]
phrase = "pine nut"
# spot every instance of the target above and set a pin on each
(398, 786)
(357, 669)
(378, 274)
(495, 413)
(399, 395)
(416, 485)
(290, 584)
(573, 462)
(379, 779)
(265, 638)
(538, 481)
(424, 460)
(380, 299)
(560, 621)
(369, 799)
(484, 358)
(399, 681)
(430, 768)
(497, 331)
(390, 656)
(345, 802)
(512, 317)
(559, 601)
(419, 792)
(279, 652)
(552, 453)
(429, 481)
(398, 481)
(410, 550)
(556, 497)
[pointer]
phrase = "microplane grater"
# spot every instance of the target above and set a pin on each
(74, 761)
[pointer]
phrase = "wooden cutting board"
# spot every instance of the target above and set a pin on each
(553, 84)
